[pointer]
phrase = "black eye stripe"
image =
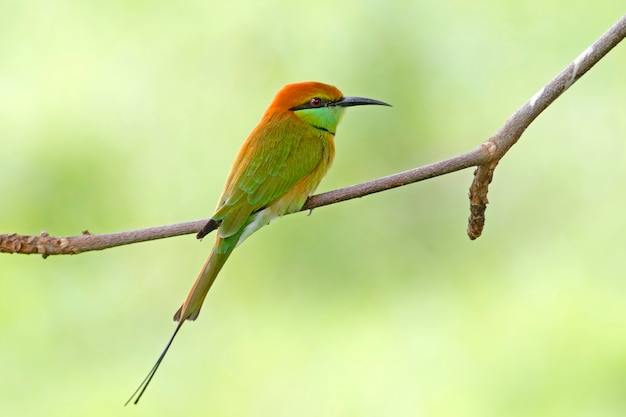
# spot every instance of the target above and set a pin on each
(314, 103)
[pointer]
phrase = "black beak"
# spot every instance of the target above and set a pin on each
(356, 101)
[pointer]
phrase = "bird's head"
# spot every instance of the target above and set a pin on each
(317, 104)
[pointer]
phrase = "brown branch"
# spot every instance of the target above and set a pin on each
(485, 157)
(70, 245)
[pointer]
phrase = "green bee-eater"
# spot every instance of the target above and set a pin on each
(277, 168)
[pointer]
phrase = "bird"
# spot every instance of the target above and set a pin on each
(277, 168)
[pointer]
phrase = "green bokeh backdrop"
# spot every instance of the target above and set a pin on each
(117, 115)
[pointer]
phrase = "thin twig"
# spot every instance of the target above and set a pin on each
(485, 157)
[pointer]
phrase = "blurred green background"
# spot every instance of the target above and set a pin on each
(117, 115)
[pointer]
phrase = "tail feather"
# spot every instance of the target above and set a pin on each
(191, 307)
(213, 265)
(144, 384)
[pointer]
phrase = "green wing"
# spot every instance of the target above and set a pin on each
(276, 155)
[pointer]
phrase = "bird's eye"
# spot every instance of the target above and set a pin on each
(316, 102)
